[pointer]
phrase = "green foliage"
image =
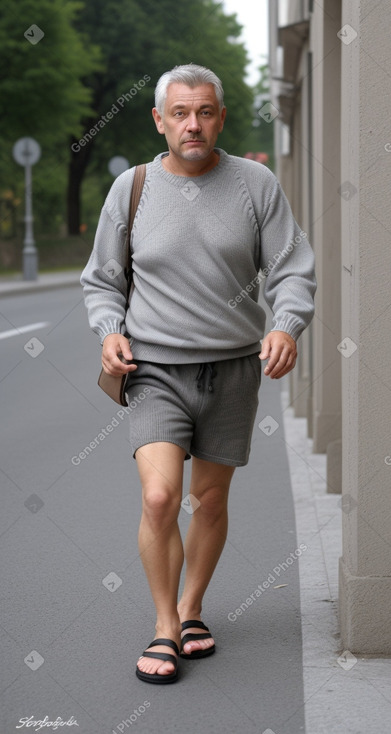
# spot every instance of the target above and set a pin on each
(42, 95)
(41, 88)
(261, 138)
(92, 54)
(141, 38)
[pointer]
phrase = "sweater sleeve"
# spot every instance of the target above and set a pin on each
(288, 262)
(103, 278)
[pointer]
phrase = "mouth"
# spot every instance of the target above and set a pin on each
(193, 142)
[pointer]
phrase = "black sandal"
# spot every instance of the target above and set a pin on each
(193, 636)
(156, 677)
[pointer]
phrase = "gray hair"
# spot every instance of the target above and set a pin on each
(190, 74)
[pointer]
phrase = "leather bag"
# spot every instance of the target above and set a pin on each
(114, 387)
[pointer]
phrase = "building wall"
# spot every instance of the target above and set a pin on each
(330, 62)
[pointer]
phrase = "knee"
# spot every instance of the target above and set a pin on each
(159, 503)
(213, 502)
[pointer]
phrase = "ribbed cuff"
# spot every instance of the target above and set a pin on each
(291, 325)
(112, 327)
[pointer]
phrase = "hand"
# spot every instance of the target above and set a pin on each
(280, 348)
(113, 346)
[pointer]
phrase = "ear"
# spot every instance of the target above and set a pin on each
(222, 118)
(158, 121)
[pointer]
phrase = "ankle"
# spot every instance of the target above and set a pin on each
(168, 628)
(189, 611)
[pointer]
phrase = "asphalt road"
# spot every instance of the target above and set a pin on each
(75, 607)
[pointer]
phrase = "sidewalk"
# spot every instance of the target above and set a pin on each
(343, 694)
(15, 285)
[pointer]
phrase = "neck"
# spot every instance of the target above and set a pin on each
(182, 167)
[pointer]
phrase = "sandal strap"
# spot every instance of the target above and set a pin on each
(161, 656)
(190, 637)
(167, 643)
(194, 623)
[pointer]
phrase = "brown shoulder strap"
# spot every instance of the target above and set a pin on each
(134, 200)
(135, 195)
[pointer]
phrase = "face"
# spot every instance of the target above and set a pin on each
(191, 121)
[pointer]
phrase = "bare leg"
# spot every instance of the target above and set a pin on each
(160, 466)
(205, 540)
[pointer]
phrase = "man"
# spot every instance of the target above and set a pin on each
(207, 224)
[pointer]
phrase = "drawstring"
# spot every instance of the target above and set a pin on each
(212, 374)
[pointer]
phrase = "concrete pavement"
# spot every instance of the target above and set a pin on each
(76, 608)
(15, 285)
(343, 693)
(299, 679)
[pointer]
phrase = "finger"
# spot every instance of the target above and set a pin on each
(119, 371)
(113, 365)
(266, 348)
(283, 369)
(274, 360)
(283, 373)
(125, 348)
(118, 350)
(277, 364)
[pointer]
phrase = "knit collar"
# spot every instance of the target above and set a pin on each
(200, 180)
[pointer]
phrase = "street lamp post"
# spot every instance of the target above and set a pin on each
(26, 152)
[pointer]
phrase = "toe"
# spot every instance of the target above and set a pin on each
(155, 665)
(193, 645)
(165, 668)
(198, 645)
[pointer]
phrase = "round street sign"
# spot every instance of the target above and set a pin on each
(118, 165)
(26, 151)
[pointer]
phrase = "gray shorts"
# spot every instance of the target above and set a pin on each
(208, 409)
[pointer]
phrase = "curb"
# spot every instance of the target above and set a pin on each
(45, 283)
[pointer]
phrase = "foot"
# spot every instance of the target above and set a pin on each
(151, 665)
(196, 646)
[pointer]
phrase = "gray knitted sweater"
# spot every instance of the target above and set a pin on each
(201, 248)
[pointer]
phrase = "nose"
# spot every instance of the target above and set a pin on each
(193, 124)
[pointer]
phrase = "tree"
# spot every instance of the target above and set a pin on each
(261, 139)
(41, 90)
(139, 40)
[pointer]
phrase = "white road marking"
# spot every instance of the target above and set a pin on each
(24, 329)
